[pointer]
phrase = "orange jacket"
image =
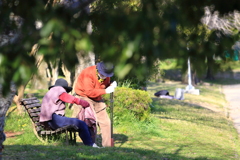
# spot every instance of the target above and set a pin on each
(87, 84)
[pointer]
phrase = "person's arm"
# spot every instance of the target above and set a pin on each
(65, 97)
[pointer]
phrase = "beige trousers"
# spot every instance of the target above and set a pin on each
(103, 120)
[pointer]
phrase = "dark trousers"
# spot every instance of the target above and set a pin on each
(83, 131)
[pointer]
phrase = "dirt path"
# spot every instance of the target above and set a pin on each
(12, 134)
(232, 95)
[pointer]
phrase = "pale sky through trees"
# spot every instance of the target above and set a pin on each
(227, 23)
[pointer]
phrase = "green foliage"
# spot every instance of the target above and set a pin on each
(125, 83)
(230, 66)
(168, 64)
(132, 82)
(130, 103)
(150, 29)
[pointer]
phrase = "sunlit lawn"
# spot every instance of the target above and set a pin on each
(193, 128)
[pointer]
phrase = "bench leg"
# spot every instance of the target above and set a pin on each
(74, 138)
(67, 141)
(71, 139)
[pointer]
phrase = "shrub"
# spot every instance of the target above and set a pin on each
(130, 102)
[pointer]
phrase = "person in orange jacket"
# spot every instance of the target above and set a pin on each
(91, 84)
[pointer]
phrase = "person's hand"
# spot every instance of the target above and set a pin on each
(83, 103)
(109, 89)
(114, 84)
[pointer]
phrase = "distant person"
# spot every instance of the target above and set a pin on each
(53, 110)
(91, 84)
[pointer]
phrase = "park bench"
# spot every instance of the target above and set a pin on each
(33, 107)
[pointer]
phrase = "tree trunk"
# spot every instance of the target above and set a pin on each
(54, 71)
(42, 79)
(195, 79)
(184, 78)
(209, 75)
(21, 88)
(17, 98)
(210, 62)
(68, 75)
(5, 103)
(85, 59)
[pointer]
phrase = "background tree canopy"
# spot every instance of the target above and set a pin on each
(132, 34)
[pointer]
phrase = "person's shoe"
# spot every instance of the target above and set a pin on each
(95, 146)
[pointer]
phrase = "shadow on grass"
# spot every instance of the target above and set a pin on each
(174, 101)
(119, 139)
(40, 152)
(170, 111)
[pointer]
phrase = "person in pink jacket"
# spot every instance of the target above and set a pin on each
(53, 110)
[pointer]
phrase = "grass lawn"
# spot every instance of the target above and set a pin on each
(193, 128)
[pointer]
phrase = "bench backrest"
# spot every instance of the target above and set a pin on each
(33, 107)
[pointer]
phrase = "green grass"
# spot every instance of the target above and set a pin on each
(168, 64)
(193, 128)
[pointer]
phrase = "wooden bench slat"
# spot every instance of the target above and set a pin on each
(34, 114)
(35, 119)
(47, 132)
(34, 110)
(37, 124)
(38, 128)
(23, 99)
(35, 105)
(26, 102)
(60, 129)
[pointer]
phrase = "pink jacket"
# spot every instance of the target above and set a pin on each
(87, 115)
(52, 104)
